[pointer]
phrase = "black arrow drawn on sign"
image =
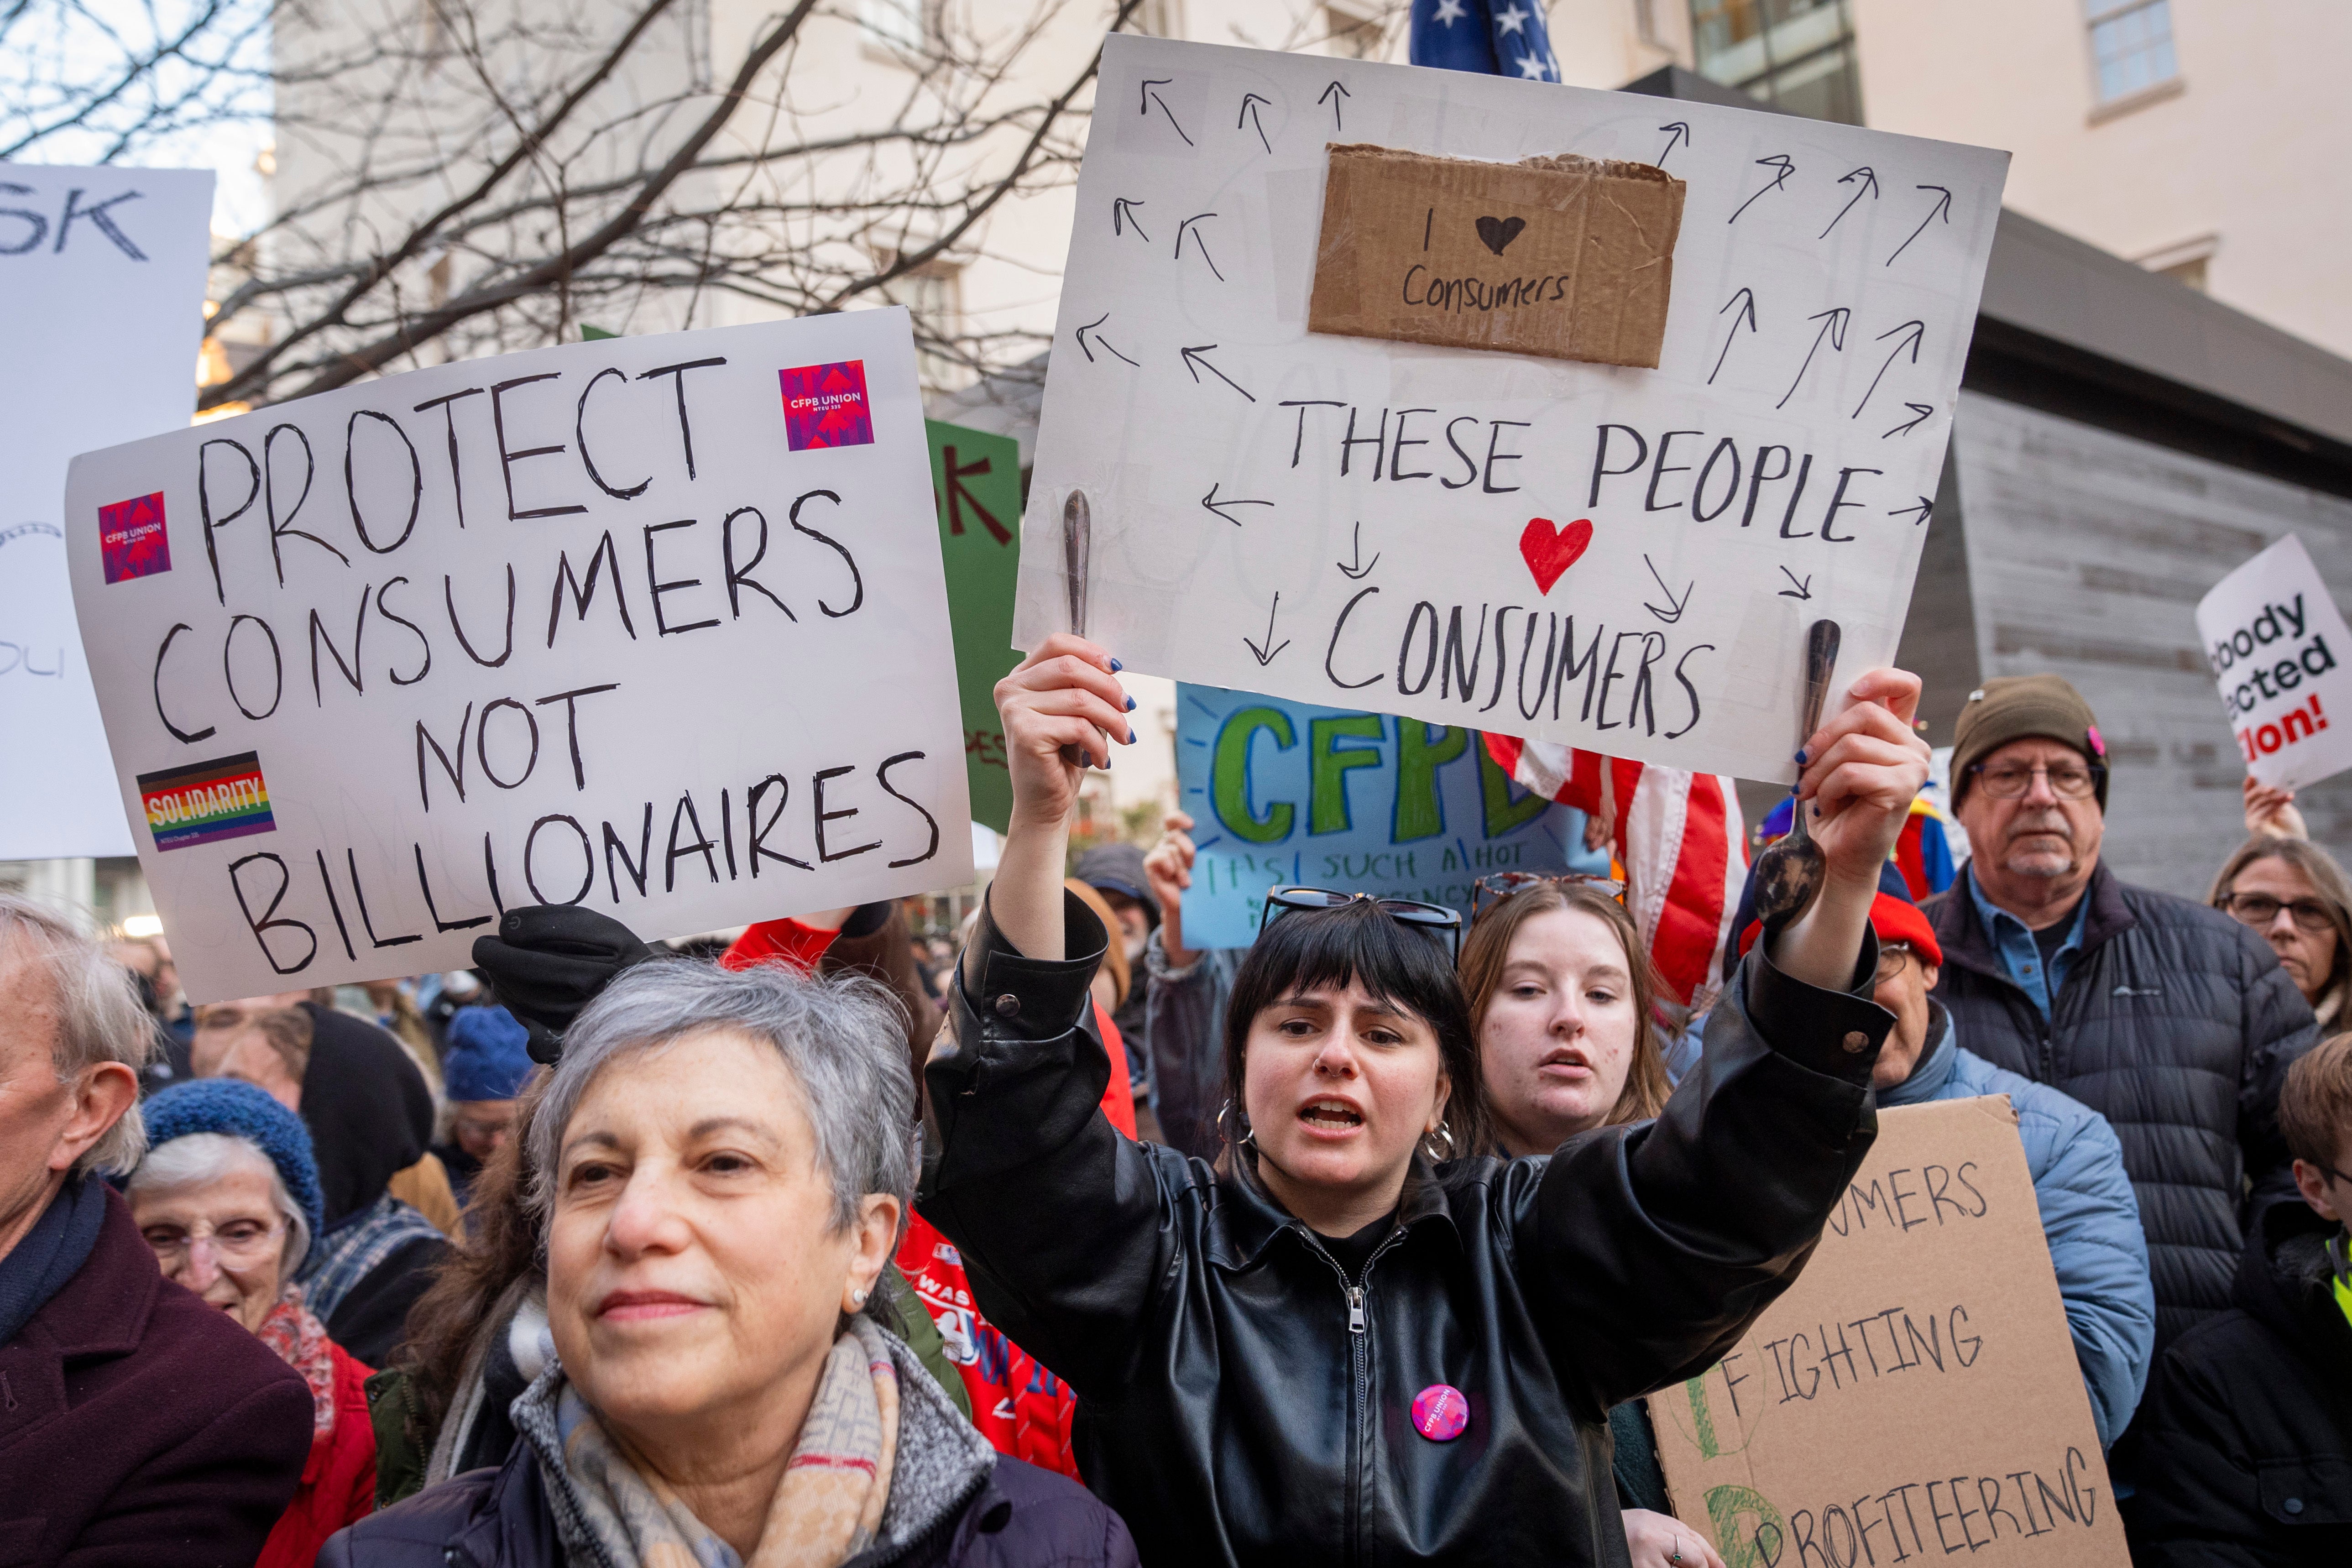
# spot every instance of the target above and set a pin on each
(1343, 92)
(1804, 586)
(1214, 504)
(1122, 211)
(1195, 363)
(1832, 328)
(1090, 327)
(1917, 330)
(1869, 187)
(1359, 569)
(1943, 210)
(1676, 614)
(1263, 657)
(1748, 310)
(1675, 130)
(1198, 243)
(1919, 411)
(1250, 101)
(1151, 98)
(1780, 161)
(1923, 509)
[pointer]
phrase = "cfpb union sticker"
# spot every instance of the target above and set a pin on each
(826, 406)
(131, 539)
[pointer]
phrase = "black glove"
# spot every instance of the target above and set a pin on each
(548, 961)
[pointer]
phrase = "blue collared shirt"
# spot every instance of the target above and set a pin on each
(2019, 956)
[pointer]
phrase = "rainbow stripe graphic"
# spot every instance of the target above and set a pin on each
(206, 801)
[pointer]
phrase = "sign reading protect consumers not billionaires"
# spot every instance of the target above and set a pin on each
(652, 625)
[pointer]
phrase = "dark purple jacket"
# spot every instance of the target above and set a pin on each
(141, 1427)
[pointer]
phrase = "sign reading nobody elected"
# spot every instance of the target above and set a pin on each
(652, 625)
(1915, 1393)
(2273, 636)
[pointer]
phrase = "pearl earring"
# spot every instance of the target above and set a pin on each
(857, 1297)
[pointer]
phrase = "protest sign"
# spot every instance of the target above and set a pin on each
(1616, 558)
(1284, 792)
(654, 625)
(104, 273)
(976, 482)
(2274, 637)
(1916, 1391)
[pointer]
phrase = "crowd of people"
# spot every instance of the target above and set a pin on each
(1073, 1245)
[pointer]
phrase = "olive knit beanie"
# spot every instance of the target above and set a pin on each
(2014, 706)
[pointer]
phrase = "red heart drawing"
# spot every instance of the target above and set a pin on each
(1548, 551)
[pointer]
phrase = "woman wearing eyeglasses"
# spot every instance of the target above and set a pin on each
(2294, 893)
(1361, 1341)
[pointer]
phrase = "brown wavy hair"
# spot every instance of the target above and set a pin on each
(1488, 945)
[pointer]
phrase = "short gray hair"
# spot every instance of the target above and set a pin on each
(99, 1018)
(199, 1159)
(843, 1040)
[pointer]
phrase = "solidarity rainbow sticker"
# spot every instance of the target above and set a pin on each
(206, 801)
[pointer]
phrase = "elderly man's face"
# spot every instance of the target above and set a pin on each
(44, 1124)
(1904, 978)
(2038, 836)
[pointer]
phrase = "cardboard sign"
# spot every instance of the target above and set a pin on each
(1568, 257)
(1620, 559)
(2274, 637)
(976, 484)
(1916, 1391)
(654, 625)
(104, 274)
(1285, 792)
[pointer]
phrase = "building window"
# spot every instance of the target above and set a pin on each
(894, 24)
(933, 295)
(1797, 55)
(2131, 45)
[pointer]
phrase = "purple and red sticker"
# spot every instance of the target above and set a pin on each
(1441, 1413)
(826, 406)
(132, 538)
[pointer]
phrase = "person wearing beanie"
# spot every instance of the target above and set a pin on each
(2171, 1019)
(485, 1065)
(229, 1198)
(1116, 873)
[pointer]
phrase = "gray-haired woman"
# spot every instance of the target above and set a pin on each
(722, 1164)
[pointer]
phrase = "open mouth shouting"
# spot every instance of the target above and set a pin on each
(1565, 1064)
(1330, 1117)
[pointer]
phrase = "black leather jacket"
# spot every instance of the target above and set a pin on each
(1241, 1401)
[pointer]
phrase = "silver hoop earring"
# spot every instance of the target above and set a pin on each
(1435, 1157)
(1249, 1134)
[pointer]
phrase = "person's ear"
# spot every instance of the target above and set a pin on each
(1437, 1107)
(2311, 1183)
(104, 1095)
(876, 1235)
(1928, 975)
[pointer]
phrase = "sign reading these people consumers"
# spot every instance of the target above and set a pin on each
(104, 274)
(1914, 1395)
(2274, 637)
(1498, 404)
(651, 624)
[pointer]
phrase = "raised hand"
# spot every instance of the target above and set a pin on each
(1862, 771)
(2271, 813)
(1169, 870)
(1065, 693)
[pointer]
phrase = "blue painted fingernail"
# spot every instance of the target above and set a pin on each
(1131, 736)
(1800, 756)
(1116, 667)
(1130, 704)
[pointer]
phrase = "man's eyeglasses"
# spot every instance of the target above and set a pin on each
(2259, 910)
(2068, 781)
(1430, 918)
(1892, 957)
(1502, 884)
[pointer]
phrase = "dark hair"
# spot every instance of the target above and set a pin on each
(1307, 950)
(1488, 945)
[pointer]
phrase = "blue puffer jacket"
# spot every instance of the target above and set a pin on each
(2088, 1215)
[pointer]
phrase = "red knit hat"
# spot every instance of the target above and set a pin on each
(1894, 919)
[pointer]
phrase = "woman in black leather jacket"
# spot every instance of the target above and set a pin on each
(1342, 1349)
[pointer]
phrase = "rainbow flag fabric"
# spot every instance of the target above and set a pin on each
(205, 803)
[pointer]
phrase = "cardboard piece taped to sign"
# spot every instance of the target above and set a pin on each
(1565, 257)
(2273, 639)
(1916, 1391)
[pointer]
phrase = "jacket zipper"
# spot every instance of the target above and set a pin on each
(1360, 1396)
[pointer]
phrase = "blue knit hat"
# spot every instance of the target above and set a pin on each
(239, 1110)
(489, 1055)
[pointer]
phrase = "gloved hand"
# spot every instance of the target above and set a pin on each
(548, 961)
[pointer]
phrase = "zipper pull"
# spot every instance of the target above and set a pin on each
(1356, 1308)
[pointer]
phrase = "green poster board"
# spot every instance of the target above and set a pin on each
(976, 485)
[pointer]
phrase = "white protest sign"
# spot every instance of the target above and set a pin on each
(654, 625)
(104, 274)
(1616, 558)
(2274, 639)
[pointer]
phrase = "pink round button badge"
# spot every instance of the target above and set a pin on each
(1440, 1413)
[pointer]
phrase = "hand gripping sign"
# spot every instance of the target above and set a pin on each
(2274, 639)
(655, 624)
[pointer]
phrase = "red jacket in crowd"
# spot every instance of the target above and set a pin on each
(338, 1480)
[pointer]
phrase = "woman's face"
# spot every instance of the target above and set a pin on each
(2308, 957)
(1557, 1039)
(223, 1239)
(1339, 1087)
(693, 1274)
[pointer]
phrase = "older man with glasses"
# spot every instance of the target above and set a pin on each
(2170, 1019)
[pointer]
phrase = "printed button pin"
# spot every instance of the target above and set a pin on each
(1440, 1413)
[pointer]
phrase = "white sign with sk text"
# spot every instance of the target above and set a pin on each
(2273, 639)
(652, 624)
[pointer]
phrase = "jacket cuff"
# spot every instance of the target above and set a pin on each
(1835, 1033)
(1023, 998)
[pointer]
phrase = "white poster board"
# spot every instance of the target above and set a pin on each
(103, 271)
(2275, 640)
(1620, 559)
(655, 624)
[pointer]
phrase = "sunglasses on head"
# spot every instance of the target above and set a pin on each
(1432, 919)
(1502, 884)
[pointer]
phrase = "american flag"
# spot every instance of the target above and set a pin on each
(1497, 37)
